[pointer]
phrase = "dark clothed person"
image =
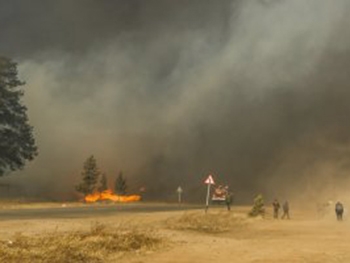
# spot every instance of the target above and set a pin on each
(339, 210)
(276, 207)
(285, 208)
(228, 201)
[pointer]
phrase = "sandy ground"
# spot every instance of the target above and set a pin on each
(304, 238)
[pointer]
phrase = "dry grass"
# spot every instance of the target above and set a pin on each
(93, 246)
(218, 222)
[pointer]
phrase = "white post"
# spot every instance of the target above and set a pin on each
(179, 192)
(207, 200)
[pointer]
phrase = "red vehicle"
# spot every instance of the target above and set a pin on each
(219, 194)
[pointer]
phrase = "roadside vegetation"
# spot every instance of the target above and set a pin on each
(212, 222)
(94, 246)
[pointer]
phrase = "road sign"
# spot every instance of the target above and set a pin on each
(209, 180)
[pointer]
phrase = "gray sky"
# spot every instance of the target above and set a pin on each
(255, 92)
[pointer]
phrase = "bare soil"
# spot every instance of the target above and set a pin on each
(303, 238)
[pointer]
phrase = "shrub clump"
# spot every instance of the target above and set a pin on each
(207, 223)
(258, 208)
(94, 246)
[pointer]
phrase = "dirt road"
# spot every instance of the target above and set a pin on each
(78, 210)
(297, 240)
(304, 238)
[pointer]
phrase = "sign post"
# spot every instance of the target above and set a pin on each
(179, 193)
(209, 181)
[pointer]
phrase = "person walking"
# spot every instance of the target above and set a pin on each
(228, 200)
(285, 208)
(339, 210)
(276, 207)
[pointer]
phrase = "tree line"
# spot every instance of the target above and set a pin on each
(92, 180)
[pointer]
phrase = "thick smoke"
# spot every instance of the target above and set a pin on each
(255, 92)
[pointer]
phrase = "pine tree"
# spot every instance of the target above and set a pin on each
(90, 176)
(103, 183)
(17, 144)
(258, 207)
(120, 185)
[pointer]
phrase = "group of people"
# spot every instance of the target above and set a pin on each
(339, 210)
(285, 208)
(325, 208)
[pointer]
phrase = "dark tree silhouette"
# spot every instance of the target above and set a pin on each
(120, 185)
(17, 144)
(103, 183)
(90, 176)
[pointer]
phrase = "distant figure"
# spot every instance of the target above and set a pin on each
(324, 209)
(339, 210)
(285, 208)
(228, 200)
(276, 207)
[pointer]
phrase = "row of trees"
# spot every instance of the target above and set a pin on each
(93, 180)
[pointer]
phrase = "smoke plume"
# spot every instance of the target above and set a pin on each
(254, 92)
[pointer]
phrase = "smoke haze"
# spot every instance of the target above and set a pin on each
(255, 92)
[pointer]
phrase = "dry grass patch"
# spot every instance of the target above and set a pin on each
(212, 222)
(93, 246)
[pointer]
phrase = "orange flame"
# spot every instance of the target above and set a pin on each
(108, 195)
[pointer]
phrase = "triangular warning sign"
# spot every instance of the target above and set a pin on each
(209, 180)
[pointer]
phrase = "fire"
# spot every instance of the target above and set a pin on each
(108, 195)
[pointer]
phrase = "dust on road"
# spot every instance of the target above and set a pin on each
(304, 238)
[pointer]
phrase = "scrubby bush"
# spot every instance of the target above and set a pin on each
(206, 223)
(258, 208)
